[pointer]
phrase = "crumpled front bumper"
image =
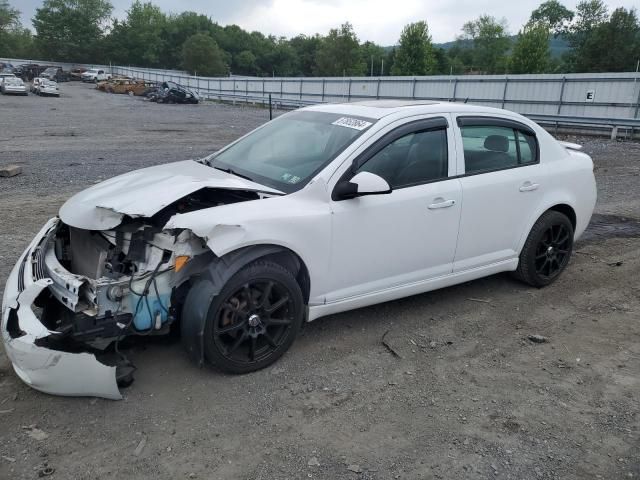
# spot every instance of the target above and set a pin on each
(50, 371)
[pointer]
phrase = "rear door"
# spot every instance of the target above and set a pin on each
(502, 183)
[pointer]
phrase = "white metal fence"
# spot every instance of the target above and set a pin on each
(599, 95)
(603, 100)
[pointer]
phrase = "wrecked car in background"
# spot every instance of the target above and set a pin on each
(48, 88)
(29, 71)
(323, 210)
(171, 92)
(127, 86)
(140, 88)
(75, 74)
(56, 74)
(44, 87)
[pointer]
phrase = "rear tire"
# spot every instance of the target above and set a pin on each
(547, 250)
(255, 318)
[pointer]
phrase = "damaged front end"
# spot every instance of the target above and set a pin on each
(112, 265)
(75, 293)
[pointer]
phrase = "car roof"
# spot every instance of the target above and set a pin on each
(381, 108)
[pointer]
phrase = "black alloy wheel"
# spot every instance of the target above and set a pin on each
(552, 252)
(547, 250)
(254, 319)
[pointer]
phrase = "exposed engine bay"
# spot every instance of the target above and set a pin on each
(79, 292)
(126, 280)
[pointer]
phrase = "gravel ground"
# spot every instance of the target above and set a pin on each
(466, 394)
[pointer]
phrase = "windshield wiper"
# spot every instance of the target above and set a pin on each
(233, 172)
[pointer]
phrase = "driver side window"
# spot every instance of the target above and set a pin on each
(413, 159)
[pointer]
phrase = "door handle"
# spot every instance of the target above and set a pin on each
(441, 203)
(529, 187)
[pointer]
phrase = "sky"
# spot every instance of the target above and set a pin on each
(380, 21)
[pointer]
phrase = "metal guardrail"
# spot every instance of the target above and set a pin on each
(556, 121)
(615, 124)
(542, 98)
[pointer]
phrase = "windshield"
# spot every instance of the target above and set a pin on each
(287, 152)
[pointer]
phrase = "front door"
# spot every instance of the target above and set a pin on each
(406, 236)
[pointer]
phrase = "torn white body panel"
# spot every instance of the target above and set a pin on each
(145, 192)
(47, 370)
(62, 373)
(300, 222)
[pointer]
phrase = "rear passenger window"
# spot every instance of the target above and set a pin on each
(488, 148)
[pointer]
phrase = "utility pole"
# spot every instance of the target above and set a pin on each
(382, 67)
(372, 65)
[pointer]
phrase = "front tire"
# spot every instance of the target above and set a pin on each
(255, 318)
(547, 250)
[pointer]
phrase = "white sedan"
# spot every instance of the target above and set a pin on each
(325, 209)
(12, 85)
(48, 88)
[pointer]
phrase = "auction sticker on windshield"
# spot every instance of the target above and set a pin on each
(354, 123)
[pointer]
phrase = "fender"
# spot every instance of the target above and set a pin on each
(547, 205)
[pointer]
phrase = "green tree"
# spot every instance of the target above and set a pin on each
(389, 62)
(554, 15)
(611, 46)
(279, 59)
(305, 49)
(18, 43)
(246, 63)
(460, 57)
(443, 64)
(177, 29)
(372, 55)
(201, 55)
(589, 15)
(71, 30)
(531, 52)
(9, 17)
(139, 39)
(415, 54)
(339, 54)
(489, 43)
(15, 41)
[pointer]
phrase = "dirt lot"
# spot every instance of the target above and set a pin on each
(467, 396)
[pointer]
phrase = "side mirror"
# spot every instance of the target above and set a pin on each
(363, 183)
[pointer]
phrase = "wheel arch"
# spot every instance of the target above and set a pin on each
(562, 206)
(211, 279)
(567, 211)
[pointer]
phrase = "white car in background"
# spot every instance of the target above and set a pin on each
(35, 85)
(12, 85)
(6, 75)
(322, 210)
(95, 75)
(48, 88)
